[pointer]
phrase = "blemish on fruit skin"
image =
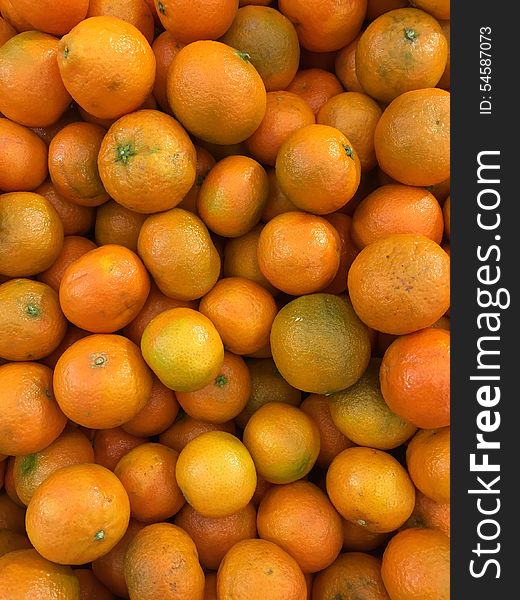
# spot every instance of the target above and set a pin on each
(28, 463)
(100, 535)
(66, 51)
(161, 8)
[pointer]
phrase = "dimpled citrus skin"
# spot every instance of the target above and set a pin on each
(319, 344)
(400, 283)
(89, 524)
(26, 574)
(215, 92)
(107, 66)
(147, 161)
(216, 474)
(183, 348)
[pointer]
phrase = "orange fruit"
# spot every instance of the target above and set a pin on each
(277, 202)
(242, 312)
(31, 90)
(73, 169)
(26, 574)
(90, 586)
(318, 169)
(401, 50)
(327, 26)
(283, 441)
(136, 157)
(428, 462)
(440, 9)
(345, 66)
(50, 16)
(215, 92)
(429, 514)
(109, 568)
(148, 471)
(116, 224)
(357, 538)
(210, 585)
(240, 258)
(225, 397)
(446, 213)
(348, 251)
(75, 218)
(315, 86)
(395, 208)
(183, 348)
(72, 334)
(444, 81)
(89, 524)
(299, 253)
(9, 486)
(266, 384)
(301, 519)
(375, 8)
(12, 515)
(194, 20)
(165, 47)
(271, 42)
(317, 60)
(11, 541)
(104, 81)
(73, 247)
(178, 251)
(214, 536)
(356, 116)
(216, 474)
(112, 444)
(158, 413)
(102, 381)
(406, 378)
(31, 418)
(156, 303)
(319, 344)
(332, 440)
(285, 112)
(352, 575)
(104, 289)
(72, 447)
(7, 31)
(400, 283)
(370, 488)
(162, 560)
(135, 12)
(233, 195)
(412, 137)
(23, 162)
(205, 162)
(32, 234)
(252, 569)
(185, 429)
(362, 415)
(31, 321)
(71, 115)
(416, 564)
(14, 17)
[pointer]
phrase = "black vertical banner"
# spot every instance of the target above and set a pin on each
(485, 268)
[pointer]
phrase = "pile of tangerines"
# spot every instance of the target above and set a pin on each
(224, 300)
